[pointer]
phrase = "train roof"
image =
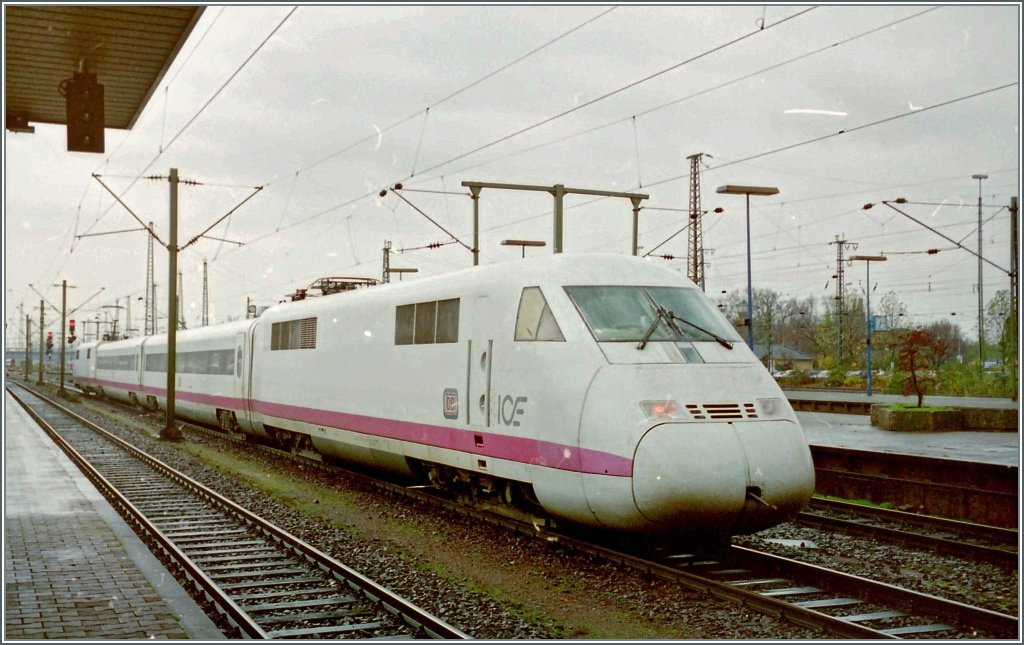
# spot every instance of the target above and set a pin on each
(203, 333)
(554, 270)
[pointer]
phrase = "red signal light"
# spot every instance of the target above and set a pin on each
(660, 409)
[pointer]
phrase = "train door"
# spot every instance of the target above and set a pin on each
(480, 359)
(238, 390)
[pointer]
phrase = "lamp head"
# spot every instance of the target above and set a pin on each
(735, 189)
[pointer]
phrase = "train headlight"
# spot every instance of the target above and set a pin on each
(771, 408)
(660, 409)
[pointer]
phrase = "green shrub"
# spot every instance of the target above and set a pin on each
(836, 377)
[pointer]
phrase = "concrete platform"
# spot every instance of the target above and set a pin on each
(855, 396)
(856, 431)
(73, 569)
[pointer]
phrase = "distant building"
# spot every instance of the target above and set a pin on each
(784, 355)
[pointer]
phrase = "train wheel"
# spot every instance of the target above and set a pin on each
(510, 493)
(439, 477)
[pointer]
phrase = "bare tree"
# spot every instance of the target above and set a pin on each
(919, 350)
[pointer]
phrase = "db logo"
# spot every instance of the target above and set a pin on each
(451, 403)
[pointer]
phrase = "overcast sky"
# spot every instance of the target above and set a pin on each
(334, 107)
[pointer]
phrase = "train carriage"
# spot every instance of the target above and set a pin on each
(605, 389)
(117, 369)
(209, 372)
(83, 367)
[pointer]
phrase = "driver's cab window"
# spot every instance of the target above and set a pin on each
(535, 320)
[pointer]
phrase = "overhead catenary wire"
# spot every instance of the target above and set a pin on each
(521, 131)
(847, 130)
(755, 74)
(827, 136)
(369, 193)
(401, 122)
(358, 220)
(380, 131)
(205, 105)
(614, 92)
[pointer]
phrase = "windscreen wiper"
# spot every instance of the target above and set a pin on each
(721, 341)
(660, 314)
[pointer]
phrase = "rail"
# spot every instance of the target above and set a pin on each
(177, 539)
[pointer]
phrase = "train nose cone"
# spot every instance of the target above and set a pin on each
(690, 474)
(736, 477)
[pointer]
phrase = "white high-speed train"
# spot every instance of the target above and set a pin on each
(606, 389)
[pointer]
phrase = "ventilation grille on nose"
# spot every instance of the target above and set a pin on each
(704, 411)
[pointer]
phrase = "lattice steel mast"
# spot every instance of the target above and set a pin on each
(386, 273)
(150, 304)
(695, 260)
(841, 245)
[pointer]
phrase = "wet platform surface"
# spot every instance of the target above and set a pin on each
(856, 431)
(931, 399)
(73, 569)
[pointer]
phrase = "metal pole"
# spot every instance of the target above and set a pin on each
(636, 224)
(42, 324)
(1014, 275)
(1014, 284)
(474, 192)
(28, 345)
(750, 289)
(170, 432)
(559, 195)
(63, 322)
(981, 297)
(869, 327)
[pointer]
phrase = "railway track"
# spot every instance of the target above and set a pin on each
(961, 539)
(265, 582)
(839, 601)
(834, 603)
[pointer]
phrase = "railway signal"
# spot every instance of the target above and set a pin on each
(84, 111)
(49, 342)
(71, 331)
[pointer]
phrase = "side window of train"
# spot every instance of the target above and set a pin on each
(535, 320)
(426, 323)
(238, 361)
(293, 334)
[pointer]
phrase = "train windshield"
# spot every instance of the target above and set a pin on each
(625, 314)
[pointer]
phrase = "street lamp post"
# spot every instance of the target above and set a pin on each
(869, 259)
(402, 271)
(730, 189)
(523, 244)
(981, 300)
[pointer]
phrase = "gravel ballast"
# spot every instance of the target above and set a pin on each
(493, 584)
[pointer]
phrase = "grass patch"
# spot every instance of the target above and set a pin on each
(310, 500)
(909, 407)
(859, 502)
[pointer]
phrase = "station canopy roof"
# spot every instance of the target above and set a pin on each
(129, 48)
